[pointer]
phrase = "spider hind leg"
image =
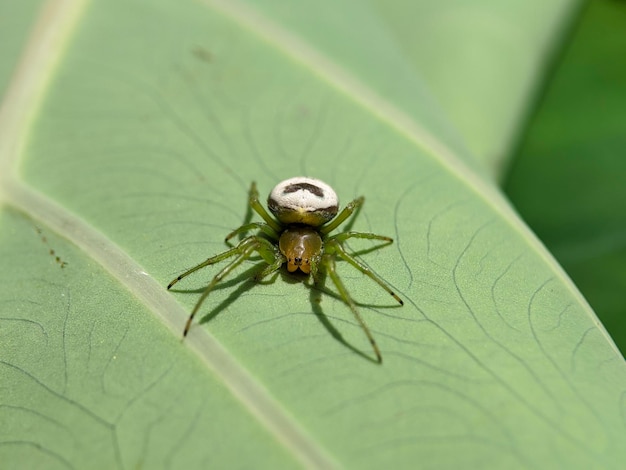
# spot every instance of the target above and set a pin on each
(328, 262)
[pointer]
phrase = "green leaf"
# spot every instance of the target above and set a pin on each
(129, 135)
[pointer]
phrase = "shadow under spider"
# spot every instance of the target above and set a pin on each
(245, 282)
(315, 297)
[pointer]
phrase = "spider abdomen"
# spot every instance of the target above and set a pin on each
(301, 245)
(303, 200)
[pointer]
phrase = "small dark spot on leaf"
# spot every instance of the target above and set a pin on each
(203, 54)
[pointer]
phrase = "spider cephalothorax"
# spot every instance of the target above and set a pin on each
(305, 211)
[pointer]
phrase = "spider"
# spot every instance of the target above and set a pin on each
(305, 211)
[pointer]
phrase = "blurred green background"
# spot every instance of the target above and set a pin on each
(568, 179)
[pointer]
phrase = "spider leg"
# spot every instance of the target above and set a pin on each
(343, 215)
(328, 262)
(259, 209)
(315, 263)
(265, 228)
(335, 247)
(343, 236)
(247, 250)
(268, 251)
(214, 259)
(279, 260)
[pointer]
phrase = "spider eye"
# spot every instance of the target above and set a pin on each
(303, 200)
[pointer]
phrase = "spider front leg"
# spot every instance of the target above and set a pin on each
(242, 251)
(343, 215)
(328, 262)
(213, 260)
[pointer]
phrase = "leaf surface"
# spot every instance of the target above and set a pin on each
(128, 147)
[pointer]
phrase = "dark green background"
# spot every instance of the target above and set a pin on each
(568, 180)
